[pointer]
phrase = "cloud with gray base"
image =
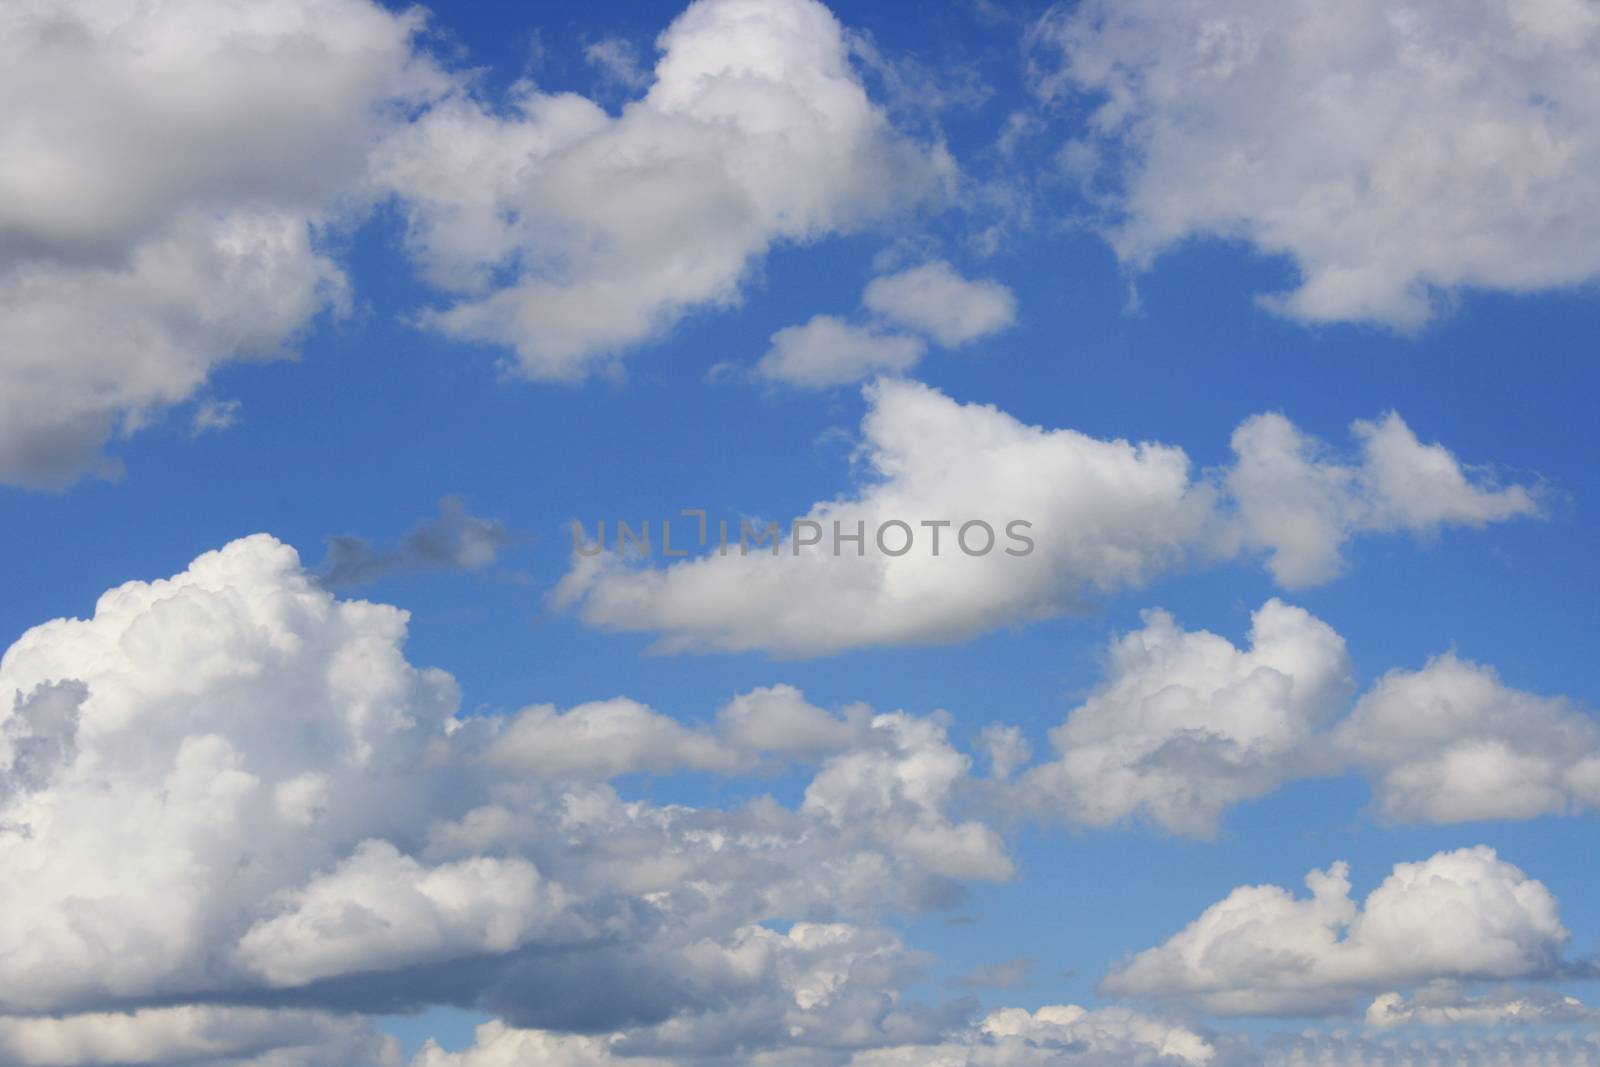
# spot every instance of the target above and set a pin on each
(452, 540)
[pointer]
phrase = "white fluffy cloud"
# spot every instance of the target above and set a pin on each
(1186, 725)
(232, 731)
(379, 909)
(934, 300)
(1395, 152)
(1451, 743)
(754, 131)
(778, 719)
(169, 165)
(827, 350)
(1465, 915)
(608, 738)
(604, 739)
(1105, 515)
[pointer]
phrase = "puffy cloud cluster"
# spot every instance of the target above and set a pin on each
(214, 738)
(230, 787)
(1397, 153)
(170, 165)
(1186, 725)
(571, 235)
(929, 301)
(1464, 915)
(1104, 514)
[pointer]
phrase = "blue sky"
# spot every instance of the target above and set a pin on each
(379, 416)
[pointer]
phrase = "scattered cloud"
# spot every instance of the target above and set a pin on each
(826, 351)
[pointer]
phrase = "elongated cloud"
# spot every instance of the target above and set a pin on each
(1092, 517)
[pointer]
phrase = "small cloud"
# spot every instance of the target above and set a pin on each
(214, 415)
(828, 351)
(452, 540)
(617, 61)
(1007, 974)
(936, 301)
